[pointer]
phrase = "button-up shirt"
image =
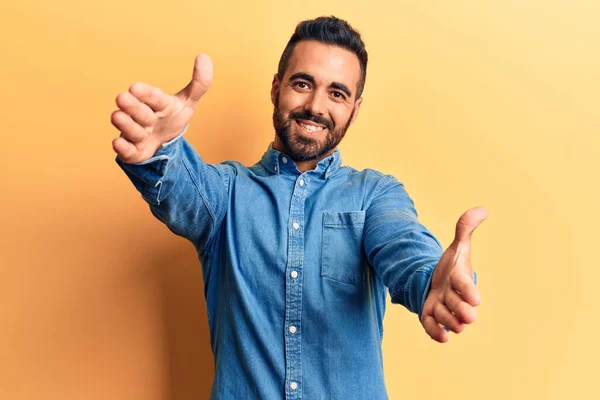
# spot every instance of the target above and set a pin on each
(296, 267)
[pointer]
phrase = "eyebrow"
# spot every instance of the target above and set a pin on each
(311, 79)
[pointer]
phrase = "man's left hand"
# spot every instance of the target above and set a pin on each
(453, 295)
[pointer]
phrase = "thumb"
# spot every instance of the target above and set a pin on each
(201, 80)
(468, 222)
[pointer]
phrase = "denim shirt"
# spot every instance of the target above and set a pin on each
(296, 267)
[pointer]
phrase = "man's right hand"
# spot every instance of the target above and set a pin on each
(147, 117)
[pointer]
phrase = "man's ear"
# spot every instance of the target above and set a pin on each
(274, 89)
(356, 109)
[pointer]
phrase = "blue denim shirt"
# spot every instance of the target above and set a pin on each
(296, 267)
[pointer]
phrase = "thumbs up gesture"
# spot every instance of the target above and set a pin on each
(147, 117)
(453, 296)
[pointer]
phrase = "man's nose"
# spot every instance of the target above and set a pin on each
(315, 103)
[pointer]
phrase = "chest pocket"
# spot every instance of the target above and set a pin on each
(343, 254)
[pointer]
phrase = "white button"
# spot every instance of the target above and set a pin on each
(276, 168)
(292, 329)
(294, 274)
(284, 159)
(294, 385)
(296, 226)
(301, 182)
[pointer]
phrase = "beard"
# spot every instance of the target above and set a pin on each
(302, 148)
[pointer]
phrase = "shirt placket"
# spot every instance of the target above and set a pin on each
(293, 298)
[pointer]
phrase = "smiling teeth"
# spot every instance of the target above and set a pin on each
(310, 128)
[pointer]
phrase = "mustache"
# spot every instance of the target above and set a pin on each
(308, 116)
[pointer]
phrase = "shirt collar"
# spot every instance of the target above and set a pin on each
(277, 163)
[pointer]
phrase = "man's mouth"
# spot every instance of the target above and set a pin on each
(309, 126)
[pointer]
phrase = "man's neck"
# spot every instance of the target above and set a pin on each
(304, 166)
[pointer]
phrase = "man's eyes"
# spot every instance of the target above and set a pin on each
(335, 94)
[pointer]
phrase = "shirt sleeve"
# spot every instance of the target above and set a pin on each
(182, 191)
(401, 250)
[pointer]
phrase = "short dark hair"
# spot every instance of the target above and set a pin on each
(333, 31)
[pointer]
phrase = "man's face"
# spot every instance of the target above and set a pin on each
(315, 100)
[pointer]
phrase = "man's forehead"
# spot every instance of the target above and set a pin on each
(325, 63)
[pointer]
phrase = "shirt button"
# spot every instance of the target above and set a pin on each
(294, 385)
(292, 329)
(294, 274)
(276, 168)
(301, 182)
(296, 225)
(284, 159)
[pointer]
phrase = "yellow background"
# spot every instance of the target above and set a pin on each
(492, 103)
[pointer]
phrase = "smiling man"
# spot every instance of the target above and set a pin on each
(298, 252)
(314, 102)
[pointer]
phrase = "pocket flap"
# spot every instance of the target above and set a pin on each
(345, 219)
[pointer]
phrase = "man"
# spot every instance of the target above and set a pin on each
(297, 251)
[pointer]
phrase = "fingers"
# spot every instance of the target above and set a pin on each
(139, 112)
(462, 310)
(444, 317)
(124, 149)
(201, 80)
(155, 98)
(465, 287)
(434, 330)
(130, 129)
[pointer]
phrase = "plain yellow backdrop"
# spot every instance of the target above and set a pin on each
(492, 103)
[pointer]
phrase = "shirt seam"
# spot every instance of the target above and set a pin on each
(209, 207)
(384, 179)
